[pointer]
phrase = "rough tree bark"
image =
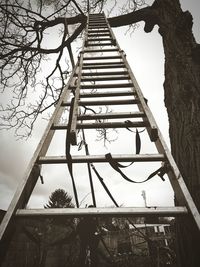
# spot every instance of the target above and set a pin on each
(182, 100)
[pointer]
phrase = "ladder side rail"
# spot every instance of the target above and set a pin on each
(143, 106)
(85, 43)
(51, 132)
(75, 108)
(114, 42)
(55, 118)
(30, 177)
(178, 184)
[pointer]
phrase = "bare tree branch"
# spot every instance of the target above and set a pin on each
(26, 29)
(147, 14)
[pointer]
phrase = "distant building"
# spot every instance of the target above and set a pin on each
(134, 240)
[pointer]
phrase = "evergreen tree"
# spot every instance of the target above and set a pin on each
(59, 199)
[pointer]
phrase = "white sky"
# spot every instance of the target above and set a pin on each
(145, 55)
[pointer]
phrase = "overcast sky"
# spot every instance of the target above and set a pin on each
(146, 57)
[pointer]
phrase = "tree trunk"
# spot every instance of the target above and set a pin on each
(182, 100)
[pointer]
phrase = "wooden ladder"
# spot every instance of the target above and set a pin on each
(101, 77)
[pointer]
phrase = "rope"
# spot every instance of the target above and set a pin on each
(89, 169)
(116, 166)
(68, 155)
(104, 185)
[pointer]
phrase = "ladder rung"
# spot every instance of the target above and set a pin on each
(104, 102)
(100, 18)
(114, 66)
(100, 50)
(91, 16)
(96, 15)
(98, 86)
(104, 125)
(97, 19)
(95, 22)
(121, 115)
(105, 73)
(98, 35)
(118, 212)
(99, 31)
(98, 23)
(93, 28)
(112, 63)
(101, 158)
(102, 58)
(98, 39)
(115, 78)
(102, 86)
(100, 44)
(97, 26)
(107, 94)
